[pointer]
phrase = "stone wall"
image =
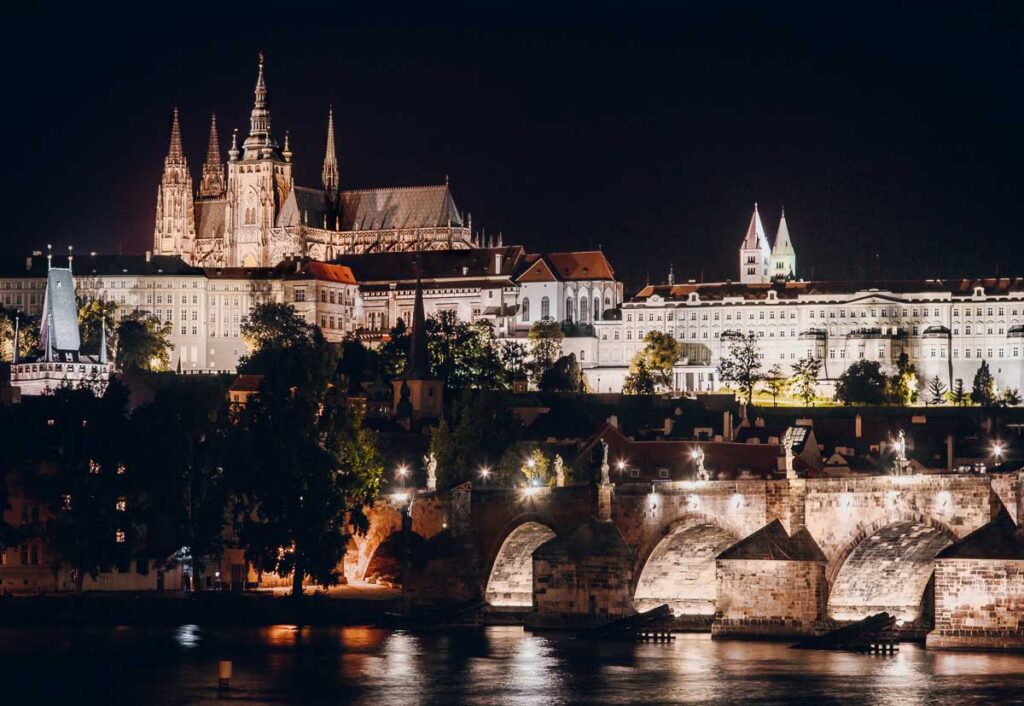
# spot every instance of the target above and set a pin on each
(979, 604)
(511, 581)
(769, 598)
(582, 579)
(1007, 487)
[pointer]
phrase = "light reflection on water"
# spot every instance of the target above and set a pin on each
(284, 664)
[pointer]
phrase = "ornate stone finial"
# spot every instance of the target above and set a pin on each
(287, 152)
(233, 152)
(559, 471)
(605, 468)
(430, 463)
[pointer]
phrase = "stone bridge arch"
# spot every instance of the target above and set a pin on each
(888, 565)
(677, 566)
(509, 575)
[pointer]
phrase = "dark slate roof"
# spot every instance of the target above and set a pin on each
(592, 538)
(434, 264)
(999, 539)
(211, 218)
(716, 291)
(86, 265)
(373, 209)
(772, 542)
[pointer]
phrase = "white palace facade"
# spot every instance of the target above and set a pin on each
(946, 327)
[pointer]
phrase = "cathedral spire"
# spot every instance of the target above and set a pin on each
(783, 254)
(418, 367)
(330, 170)
(259, 143)
(213, 183)
(175, 154)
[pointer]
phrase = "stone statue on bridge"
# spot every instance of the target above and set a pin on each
(900, 465)
(559, 471)
(605, 468)
(700, 473)
(430, 463)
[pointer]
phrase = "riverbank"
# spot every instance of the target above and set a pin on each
(339, 606)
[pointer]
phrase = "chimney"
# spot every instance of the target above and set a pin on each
(149, 256)
(613, 421)
(858, 431)
(727, 425)
(669, 422)
(28, 263)
(949, 456)
(497, 263)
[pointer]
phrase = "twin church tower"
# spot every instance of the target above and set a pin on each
(249, 212)
(759, 261)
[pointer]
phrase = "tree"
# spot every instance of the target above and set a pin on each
(983, 391)
(1010, 397)
(958, 395)
(805, 378)
(639, 380)
(302, 465)
(88, 507)
(525, 464)
(775, 383)
(143, 343)
(482, 428)
(545, 339)
(271, 326)
(27, 330)
(563, 376)
(936, 391)
(393, 353)
(904, 384)
(862, 383)
(178, 448)
(95, 317)
(659, 355)
(742, 364)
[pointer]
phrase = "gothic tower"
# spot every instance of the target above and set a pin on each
(212, 186)
(783, 254)
(175, 230)
(755, 253)
(330, 170)
(258, 184)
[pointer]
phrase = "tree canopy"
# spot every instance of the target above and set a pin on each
(862, 383)
(143, 343)
(741, 365)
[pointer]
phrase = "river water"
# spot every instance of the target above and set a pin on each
(500, 665)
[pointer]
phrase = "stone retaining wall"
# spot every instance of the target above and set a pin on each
(769, 598)
(979, 604)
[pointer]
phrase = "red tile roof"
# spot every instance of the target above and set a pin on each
(567, 267)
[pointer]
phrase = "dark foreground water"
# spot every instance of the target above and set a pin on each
(502, 665)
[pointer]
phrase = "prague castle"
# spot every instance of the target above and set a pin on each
(248, 212)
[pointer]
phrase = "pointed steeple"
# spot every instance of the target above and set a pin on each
(175, 154)
(418, 366)
(213, 184)
(755, 237)
(259, 144)
(783, 254)
(755, 252)
(330, 170)
(175, 218)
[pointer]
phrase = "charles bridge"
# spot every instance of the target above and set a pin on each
(768, 558)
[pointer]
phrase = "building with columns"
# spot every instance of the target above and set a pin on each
(248, 212)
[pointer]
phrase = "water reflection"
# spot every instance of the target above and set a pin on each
(287, 664)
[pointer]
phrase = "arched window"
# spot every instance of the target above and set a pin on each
(526, 309)
(545, 308)
(584, 310)
(597, 309)
(569, 309)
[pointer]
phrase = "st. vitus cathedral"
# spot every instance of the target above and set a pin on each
(249, 212)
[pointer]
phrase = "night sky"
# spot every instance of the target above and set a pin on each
(891, 135)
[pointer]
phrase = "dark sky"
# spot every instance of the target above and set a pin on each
(891, 133)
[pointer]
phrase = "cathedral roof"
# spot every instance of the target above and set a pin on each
(59, 327)
(211, 218)
(373, 209)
